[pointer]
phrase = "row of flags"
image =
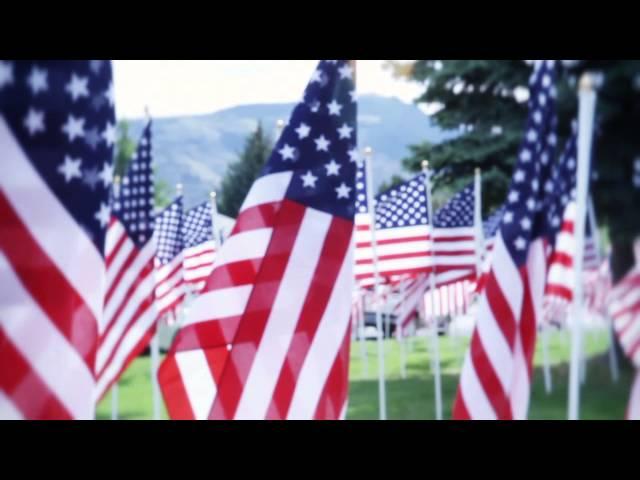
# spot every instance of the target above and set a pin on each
(89, 267)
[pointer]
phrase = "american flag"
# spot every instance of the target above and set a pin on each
(268, 338)
(489, 229)
(403, 235)
(57, 131)
(624, 308)
(455, 238)
(452, 299)
(199, 246)
(411, 293)
(560, 279)
(496, 377)
(129, 319)
(169, 273)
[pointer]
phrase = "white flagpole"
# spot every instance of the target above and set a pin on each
(155, 360)
(361, 332)
(587, 104)
(368, 153)
(477, 220)
(432, 280)
(114, 401)
(400, 336)
(548, 386)
(215, 231)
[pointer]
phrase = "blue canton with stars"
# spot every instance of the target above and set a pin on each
(523, 220)
(133, 205)
(198, 226)
(168, 230)
(458, 212)
(490, 225)
(404, 205)
(62, 115)
(319, 143)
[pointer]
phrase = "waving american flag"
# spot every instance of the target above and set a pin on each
(169, 274)
(496, 377)
(199, 246)
(268, 337)
(57, 131)
(130, 316)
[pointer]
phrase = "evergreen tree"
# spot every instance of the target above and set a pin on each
(241, 174)
(484, 102)
(392, 182)
(125, 148)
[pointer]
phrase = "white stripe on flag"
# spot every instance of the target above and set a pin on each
(198, 381)
(220, 303)
(50, 355)
(284, 315)
(267, 189)
(324, 347)
(8, 410)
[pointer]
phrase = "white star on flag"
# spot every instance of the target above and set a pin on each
(345, 72)
(303, 131)
(6, 73)
(508, 217)
(109, 134)
(345, 131)
(334, 107)
(74, 127)
(309, 180)
(38, 80)
(77, 87)
(70, 168)
(34, 121)
(343, 191)
(519, 176)
(322, 144)
(103, 215)
(513, 196)
(525, 223)
(287, 152)
(520, 243)
(106, 174)
(333, 168)
(354, 155)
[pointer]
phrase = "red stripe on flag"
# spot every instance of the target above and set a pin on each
(26, 389)
(336, 244)
(258, 308)
(173, 391)
(336, 388)
(260, 216)
(501, 310)
(48, 287)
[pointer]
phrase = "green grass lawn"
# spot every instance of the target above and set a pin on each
(412, 398)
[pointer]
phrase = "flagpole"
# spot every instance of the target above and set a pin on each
(368, 154)
(587, 104)
(432, 281)
(215, 231)
(477, 220)
(400, 335)
(114, 387)
(548, 384)
(361, 334)
(155, 360)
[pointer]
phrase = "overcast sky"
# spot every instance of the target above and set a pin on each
(184, 87)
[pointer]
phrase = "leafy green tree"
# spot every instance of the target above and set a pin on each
(241, 174)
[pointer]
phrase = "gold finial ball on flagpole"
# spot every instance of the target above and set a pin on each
(368, 151)
(280, 124)
(179, 188)
(116, 179)
(212, 195)
(477, 170)
(425, 164)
